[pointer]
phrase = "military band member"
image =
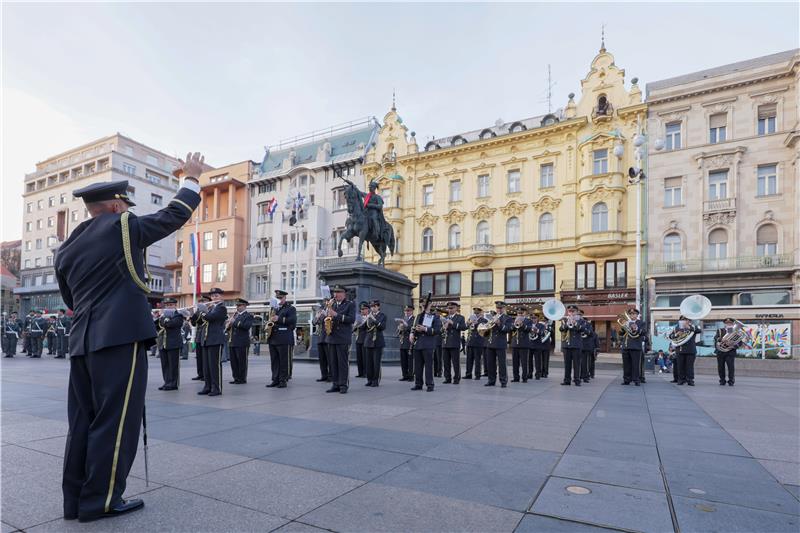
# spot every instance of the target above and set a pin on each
(427, 328)
(63, 325)
(374, 343)
(11, 330)
(521, 344)
(100, 270)
(632, 345)
(476, 344)
(452, 326)
(199, 335)
(360, 330)
(588, 347)
(171, 322)
(322, 345)
(282, 339)
(26, 333)
(437, 351)
(593, 354)
(343, 315)
(213, 340)
(239, 328)
(50, 335)
(686, 352)
(502, 324)
(726, 358)
(406, 355)
(539, 346)
(38, 329)
(186, 337)
(572, 345)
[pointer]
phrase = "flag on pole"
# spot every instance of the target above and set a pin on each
(195, 243)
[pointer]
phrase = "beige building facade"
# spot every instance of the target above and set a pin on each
(724, 194)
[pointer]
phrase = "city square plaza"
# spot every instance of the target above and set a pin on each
(535, 456)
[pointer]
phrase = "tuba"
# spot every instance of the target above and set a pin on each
(693, 307)
(731, 340)
(553, 309)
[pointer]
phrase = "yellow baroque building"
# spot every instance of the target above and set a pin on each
(521, 211)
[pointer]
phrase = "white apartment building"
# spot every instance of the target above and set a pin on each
(289, 257)
(50, 212)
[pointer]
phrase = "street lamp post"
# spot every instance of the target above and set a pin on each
(296, 204)
(635, 176)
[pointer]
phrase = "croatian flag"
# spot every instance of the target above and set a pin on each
(193, 239)
(273, 205)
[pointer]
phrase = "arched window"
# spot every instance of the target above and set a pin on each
(431, 146)
(517, 126)
(454, 237)
(599, 217)
(427, 240)
(487, 134)
(767, 240)
(546, 232)
(482, 233)
(718, 244)
(458, 139)
(512, 231)
(672, 247)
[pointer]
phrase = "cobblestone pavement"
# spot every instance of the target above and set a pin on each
(536, 456)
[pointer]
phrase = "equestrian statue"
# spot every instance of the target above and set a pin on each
(365, 220)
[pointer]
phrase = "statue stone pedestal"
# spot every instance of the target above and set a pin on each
(365, 282)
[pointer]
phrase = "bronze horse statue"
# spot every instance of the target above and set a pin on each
(358, 225)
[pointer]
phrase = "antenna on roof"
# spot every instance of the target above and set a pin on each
(549, 91)
(603, 37)
(394, 107)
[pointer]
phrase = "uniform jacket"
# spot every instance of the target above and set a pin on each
(635, 343)
(405, 341)
(240, 330)
(427, 340)
(572, 336)
(12, 328)
(690, 347)
(320, 323)
(361, 330)
(173, 334)
(215, 317)
(452, 337)
(718, 337)
(343, 323)
(475, 339)
(94, 280)
(38, 326)
(200, 328)
(63, 325)
(285, 322)
(588, 337)
(522, 338)
(374, 338)
(498, 338)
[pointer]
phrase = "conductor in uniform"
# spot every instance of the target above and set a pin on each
(100, 269)
(215, 317)
(343, 313)
(284, 320)
(171, 322)
(38, 328)
(240, 326)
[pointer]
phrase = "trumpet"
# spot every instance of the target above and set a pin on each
(402, 326)
(358, 323)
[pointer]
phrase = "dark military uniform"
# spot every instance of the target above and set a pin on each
(437, 354)
(169, 349)
(520, 348)
(725, 359)
(632, 353)
(406, 357)
(10, 329)
(476, 344)
(572, 346)
(539, 349)
(451, 347)
(374, 344)
(38, 327)
(586, 350)
(50, 335)
(339, 344)
(63, 325)
(239, 342)
(26, 334)
(360, 331)
(280, 342)
(100, 270)
(496, 350)
(423, 346)
(322, 350)
(214, 339)
(686, 354)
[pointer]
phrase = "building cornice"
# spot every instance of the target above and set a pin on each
(736, 84)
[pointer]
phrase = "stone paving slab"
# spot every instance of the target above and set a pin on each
(700, 516)
(244, 441)
(645, 476)
(533, 523)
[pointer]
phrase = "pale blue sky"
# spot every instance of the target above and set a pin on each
(227, 80)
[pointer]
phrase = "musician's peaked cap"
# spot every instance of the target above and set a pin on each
(500, 303)
(216, 290)
(573, 307)
(729, 319)
(280, 292)
(363, 305)
(454, 304)
(107, 190)
(477, 309)
(242, 301)
(375, 302)
(169, 301)
(634, 311)
(409, 308)
(338, 288)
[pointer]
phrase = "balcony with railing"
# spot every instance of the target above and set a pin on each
(688, 266)
(481, 255)
(719, 205)
(600, 243)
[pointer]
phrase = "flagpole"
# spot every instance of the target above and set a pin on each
(194, 258)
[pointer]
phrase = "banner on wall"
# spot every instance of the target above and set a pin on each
(777, 339)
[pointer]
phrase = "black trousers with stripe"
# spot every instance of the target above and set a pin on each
(212, 368)
(239, 363)
(339, 360)
(104, 406)
(198, 350)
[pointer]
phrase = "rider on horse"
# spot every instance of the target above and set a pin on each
(373, 204)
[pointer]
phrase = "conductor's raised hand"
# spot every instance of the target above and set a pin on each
(192, 167)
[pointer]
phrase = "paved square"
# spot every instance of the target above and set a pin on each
(532, 457)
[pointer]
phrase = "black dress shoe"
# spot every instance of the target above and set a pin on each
(577, 383)
(456, 381)
(234, 382)
(214, 393)
(674, 381)
(467, 376)
(567, 383)
(429, 389)
(342, 390)
(730, 383)
(503, 385)
(360, 376)
(161, 387)
(681, 383)
(197, 378)
(476, 378)
(333, 389)
(446, 381)
(691, 383)
(416, 387)
(320, 380)
(525, 380)
(586, 380)
(122, 507)
(722, 383)
(204, 391)
(515, 380)
(281, 385)
(273, 384)
(170, 388)
(401, 379)
(490, 384)
(637, 383)
(538, 377)
(626, 382)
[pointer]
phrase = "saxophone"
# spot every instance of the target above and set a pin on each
(329, 319)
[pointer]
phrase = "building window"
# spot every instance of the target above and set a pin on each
(585, 275)
(127, 168)
(427, 195)
(51, 241)
(40, 204)
(63, 198)
(672, 247)
(262, 284)
(513, 181)
(483, 185)
(718, 244)
(546, 176)
(615, 273)
(442, 284)
(51, 201)
(156, 199)
(339, 200)
(673, 192)
(222, 271)
(303, 279)
(51, 221)
(717, 126)
(766, 119)
(222, 239)
(37, 262)
(767, 240)
(454, 237)
(482, 232)
(718, 185)
(208, 240)
(427, 240)
(599, 217)
(208, 273)
(49, 260)
(190, 275)
(673, 136)
(29, 207)
(27, 246)
(546, 232)
(283, 280)
(600, 165)
(767, 180)
(481, 282)
(512, 231)
(178, 281)
(38, 244)
(39, 223)
(27, 263)
(530, 279)
(455, 191)
(28, 226)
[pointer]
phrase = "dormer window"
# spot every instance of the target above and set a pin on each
(487, 134)
(457, 140)
(431, 146)
(517, 126)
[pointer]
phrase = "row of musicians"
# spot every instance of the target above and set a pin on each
(33, 330)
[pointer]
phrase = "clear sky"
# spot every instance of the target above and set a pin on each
(228, 79)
